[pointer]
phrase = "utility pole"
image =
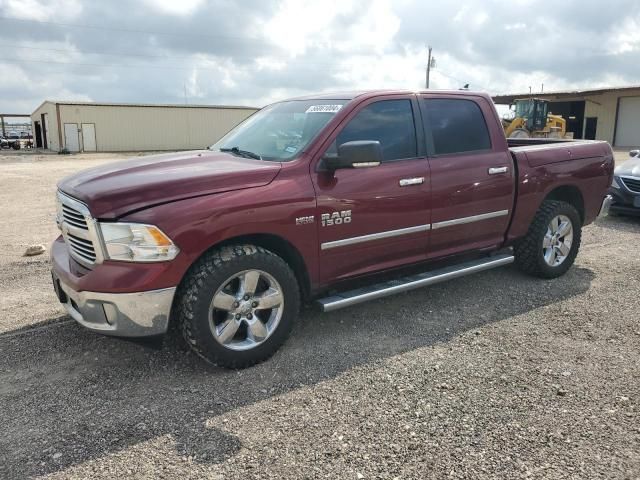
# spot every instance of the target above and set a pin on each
(431, 62)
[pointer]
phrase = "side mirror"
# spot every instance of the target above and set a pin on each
(356, 154)
(634, 153)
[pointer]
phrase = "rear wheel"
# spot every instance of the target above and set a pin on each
(552, 242)
(238, 305)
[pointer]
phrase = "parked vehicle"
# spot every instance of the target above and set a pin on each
(16, 141)
(304, 198)
(532, 119)
(4, 143)
(625, 188)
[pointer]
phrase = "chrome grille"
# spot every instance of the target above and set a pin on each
(78, 230)
(73, 217)
(632, 184)
(82, 247)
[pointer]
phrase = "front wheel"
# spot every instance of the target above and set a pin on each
(238, 305)
(552, 242)
(520, 133)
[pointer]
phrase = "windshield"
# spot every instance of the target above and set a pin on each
(280, 131)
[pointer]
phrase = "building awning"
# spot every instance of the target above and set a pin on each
(507, 99)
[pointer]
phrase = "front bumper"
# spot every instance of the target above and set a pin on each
(606, 205)
(118, 299)
(625, 200)
(139, 314)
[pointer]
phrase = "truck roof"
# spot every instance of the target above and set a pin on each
(350, 95)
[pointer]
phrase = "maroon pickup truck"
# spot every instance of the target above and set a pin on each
(326, 198)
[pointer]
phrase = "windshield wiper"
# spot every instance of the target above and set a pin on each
(242, 153)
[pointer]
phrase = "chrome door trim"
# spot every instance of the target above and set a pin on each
(405, 182)
(471, 219)
(374, 236)
(497, 170)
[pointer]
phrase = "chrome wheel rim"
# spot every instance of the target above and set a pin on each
(557, 242)
(246, 310)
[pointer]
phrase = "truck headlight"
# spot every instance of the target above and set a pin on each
(135, 242)
(614, 183)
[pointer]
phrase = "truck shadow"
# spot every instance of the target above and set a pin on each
(70, 396)
(620, 223)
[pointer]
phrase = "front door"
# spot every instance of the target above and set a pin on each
(71, 139)
(590, 127)
(472, 177)
(377, 217)
(38, 132)
(89, 137)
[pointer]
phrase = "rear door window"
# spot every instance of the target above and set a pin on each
(456, 125)
(388, 121)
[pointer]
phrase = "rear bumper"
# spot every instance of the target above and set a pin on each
(139, 314)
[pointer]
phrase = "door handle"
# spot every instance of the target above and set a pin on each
(405, 182)
(497, 170)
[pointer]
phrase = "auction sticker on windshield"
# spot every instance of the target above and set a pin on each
(323, 109)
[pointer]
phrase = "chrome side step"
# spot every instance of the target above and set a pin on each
(385, 289)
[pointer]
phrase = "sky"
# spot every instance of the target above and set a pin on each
(254, 52)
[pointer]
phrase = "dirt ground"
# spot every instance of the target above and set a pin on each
(493, 375)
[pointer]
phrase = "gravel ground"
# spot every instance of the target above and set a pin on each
(493, 375)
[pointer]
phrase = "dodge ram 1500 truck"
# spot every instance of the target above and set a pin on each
(326, 198)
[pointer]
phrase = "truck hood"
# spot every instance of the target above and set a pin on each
(118, 188)
(630, 168)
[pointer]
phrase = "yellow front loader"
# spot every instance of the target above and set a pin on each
(534, 120)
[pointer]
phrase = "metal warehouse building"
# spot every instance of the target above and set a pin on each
(611, 114)
(117, 127)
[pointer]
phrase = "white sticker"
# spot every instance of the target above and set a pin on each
(291, 149)
(323, 109)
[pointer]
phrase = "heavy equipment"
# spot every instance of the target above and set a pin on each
(533, 119)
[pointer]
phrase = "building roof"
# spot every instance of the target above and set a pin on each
(162, 105)
(508, 98)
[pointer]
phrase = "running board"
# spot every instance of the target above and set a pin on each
(385, 289)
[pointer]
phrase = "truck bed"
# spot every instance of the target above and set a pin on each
(543, 151)
(579, 166)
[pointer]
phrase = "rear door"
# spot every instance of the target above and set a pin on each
(375, 218)
(472, 177)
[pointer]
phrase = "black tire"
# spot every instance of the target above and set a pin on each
(206, 276)
(529, 252)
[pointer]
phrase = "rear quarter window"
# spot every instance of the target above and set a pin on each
(456, 125)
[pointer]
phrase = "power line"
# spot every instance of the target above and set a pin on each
(125, 65)
(83, 52)
(127, 30)
(171, 67)
(460, 80)
(168, 67)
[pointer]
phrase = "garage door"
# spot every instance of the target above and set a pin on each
(628, 126)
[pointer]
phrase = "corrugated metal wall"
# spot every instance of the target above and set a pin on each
(139, 128)
(52, 134)
(604, 108)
